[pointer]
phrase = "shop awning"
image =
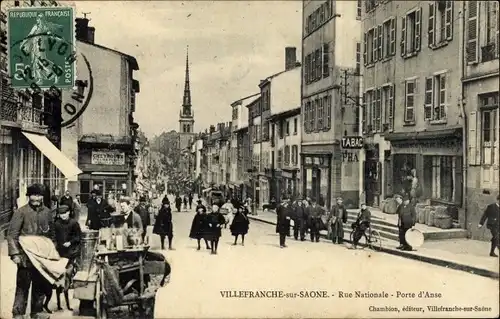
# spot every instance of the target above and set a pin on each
(64, 164)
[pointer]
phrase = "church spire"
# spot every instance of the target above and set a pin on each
(186, 102)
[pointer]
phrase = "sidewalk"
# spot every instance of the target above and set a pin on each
(459, 254)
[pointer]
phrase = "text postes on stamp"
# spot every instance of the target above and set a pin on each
(41, 47)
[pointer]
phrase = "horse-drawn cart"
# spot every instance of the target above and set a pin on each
(129, 276)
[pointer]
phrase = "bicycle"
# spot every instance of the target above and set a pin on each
(371, 238)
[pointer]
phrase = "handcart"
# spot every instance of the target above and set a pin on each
(129, 276)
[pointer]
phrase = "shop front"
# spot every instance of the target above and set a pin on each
(437, 159)
(317, 177)
(107, 170)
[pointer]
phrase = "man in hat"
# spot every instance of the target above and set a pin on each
(491, 217)
(143, 210)
(95, 211)
(361, 224)
(67, 200)
(31, 219)
(315, 213)
(300, 220)
(406, 220)
(336, 220)
(283, 221)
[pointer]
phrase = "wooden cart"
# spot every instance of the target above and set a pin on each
(137, 270)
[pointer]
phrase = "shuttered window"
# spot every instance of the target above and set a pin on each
(473, 154)
(393, 36)
(429, 97)
(431, 24)
(449, 20)
(472, 49)
(365, 42)
(326, 60)
(403, 36)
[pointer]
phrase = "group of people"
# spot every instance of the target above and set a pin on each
(59, 224)
(207, 225)
(187, 200)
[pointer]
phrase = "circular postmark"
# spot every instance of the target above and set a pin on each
(75, 99)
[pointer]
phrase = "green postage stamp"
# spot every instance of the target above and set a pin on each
(42, 48)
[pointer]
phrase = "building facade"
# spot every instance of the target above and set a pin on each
(254, 120)
(411, 93)
(329, 90)
(104, 146)
(480, 76)
(30, 136)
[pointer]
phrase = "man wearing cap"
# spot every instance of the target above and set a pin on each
(406, 220)
(315, 213)
(336, 219)
(283, 221)
(143, 211)
(31, 219)
(491, 217)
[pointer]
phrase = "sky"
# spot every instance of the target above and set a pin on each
(232, 46)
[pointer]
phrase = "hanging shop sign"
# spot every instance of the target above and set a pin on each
(352, 142)
(107, 158)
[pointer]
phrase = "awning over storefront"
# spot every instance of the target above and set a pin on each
(64, 164)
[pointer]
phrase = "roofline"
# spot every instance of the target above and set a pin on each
(131, 59)
(285, 114)
(258, 98)
(243, 99)
(269, 78)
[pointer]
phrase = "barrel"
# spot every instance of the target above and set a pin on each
(88, 246)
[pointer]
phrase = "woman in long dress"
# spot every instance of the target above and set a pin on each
(239, 226)
(163, 225)
(215, 222)
(199, 227)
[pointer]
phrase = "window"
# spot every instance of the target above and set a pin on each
(489, 129)
(318, 17)
(375, 45)
(377, 110)
(326, 59)
(307, 107)
(358, 14)
(320, 114)
(295, 154)
(265, 131)
(369, 47)
(317, 65)
(235, 113)
(287, 155)
(356, 121)
(472, 31)
(358, 58)
(411, 31)
(435, 98)
(490, 50)
(280, 159)
(370, 5)
(388, 40)
(327, 111)
(368, 112)
(410, 100)
(388, 107)
(312, 116)
(443, 178)
(295, 124)
(287, 128)
(440, 23)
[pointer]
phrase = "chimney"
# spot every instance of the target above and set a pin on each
(91, 34)
(290, 58)
(212, 129)
(84, 33)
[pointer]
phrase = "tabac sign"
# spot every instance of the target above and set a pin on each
(352, 142)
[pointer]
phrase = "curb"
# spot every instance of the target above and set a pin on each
(405, 254)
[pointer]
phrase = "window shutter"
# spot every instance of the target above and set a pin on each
(449, 20)
(431, 24)
(418, 29)
(393, 36)
(497, 48)
(472, 32)
(326, 60)
(406, 102)
(392, 107)
(429, 98)
(403, 36)
(365, 36)
(473, 147)
(329, 113)
(306, 70)
(380, 56)
(363, 115)
(305, 117)
(375, 45)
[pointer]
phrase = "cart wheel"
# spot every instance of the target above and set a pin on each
(100, 308)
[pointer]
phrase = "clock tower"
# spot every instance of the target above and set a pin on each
(186, 114)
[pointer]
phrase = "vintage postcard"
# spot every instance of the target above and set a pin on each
(249, 159)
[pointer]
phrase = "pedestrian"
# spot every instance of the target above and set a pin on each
(199, 226)
(190, 199)
(361, 224)
(300, 221)
(283, 221)
(200, 204)
(315, 213)
(32, 219)
(68, 238)
(215, 222)
(143, 211)
(163, 225)
(227, 210)
(336, 220)
(491, 217)
(185, 202)
(77, 208)
(165, 199)
(67, 200)
(406, 220)
(239, 225)
(95, 211)
(178, 203)
(108, 209)
(128, 218)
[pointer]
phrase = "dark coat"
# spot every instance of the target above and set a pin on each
(68, 201)
(143, 211)
(215, 222)
(299, 212)
(407, 216)
(95, 211)
(340, 213)
(68, 231)
(240, 224)
(283, 220)
(199, 226)
(28, 221)
(491, 216)
(163, 223)
(178, 202)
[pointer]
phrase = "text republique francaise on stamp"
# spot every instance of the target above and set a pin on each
(42, 48)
